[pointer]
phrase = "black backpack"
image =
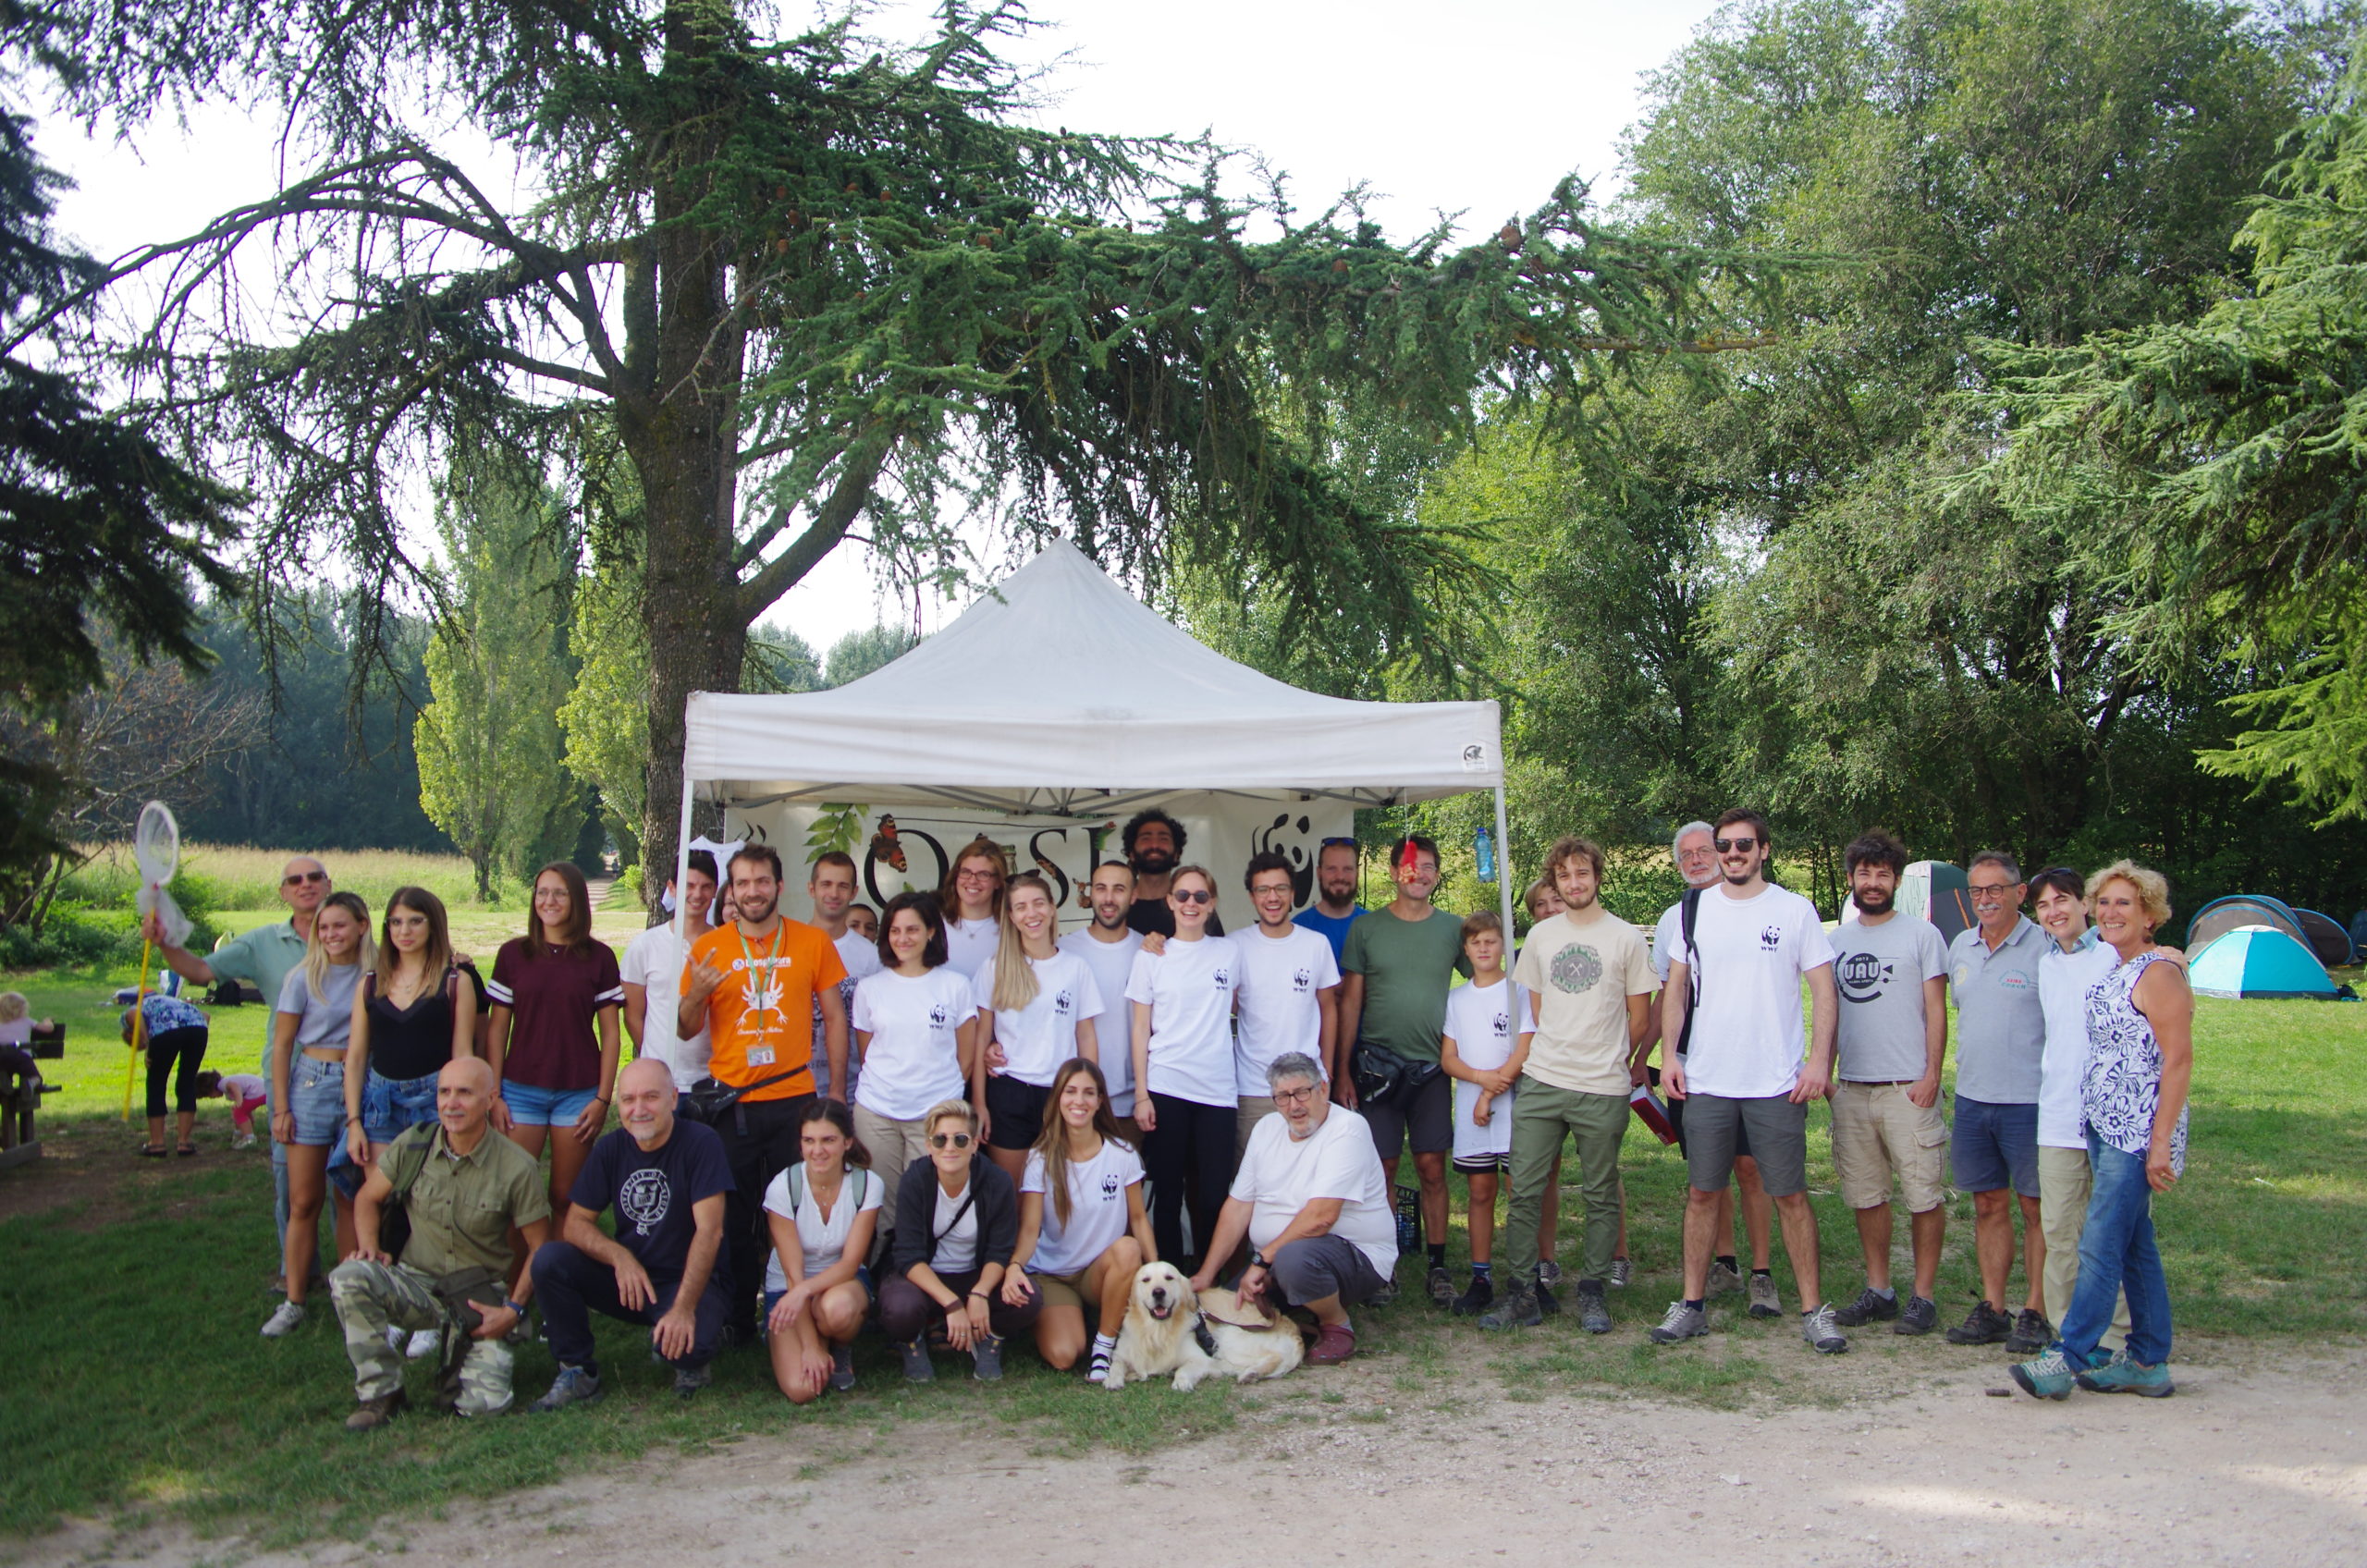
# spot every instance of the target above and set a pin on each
(1691, 910)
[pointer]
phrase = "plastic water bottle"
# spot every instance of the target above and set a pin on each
(1485, 848)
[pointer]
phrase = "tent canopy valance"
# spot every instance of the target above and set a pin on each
(1062, 694)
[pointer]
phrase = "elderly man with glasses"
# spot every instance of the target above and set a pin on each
(1314, 1205)
(2001, 1039)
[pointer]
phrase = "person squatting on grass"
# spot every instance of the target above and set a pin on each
(823, 1213)
(957, 1225)
(466, 1189)
(1083, 1230)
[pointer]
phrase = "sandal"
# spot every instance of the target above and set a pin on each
(151, 1151)
(186, 1150)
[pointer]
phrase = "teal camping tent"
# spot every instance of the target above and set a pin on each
(2259, 961)
(1936, 891)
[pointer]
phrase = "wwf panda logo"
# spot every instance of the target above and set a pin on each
(1502, 1024)
(1770, 938)
(1223, 978)
(1110, 1185)
(938, 1016)
(1063, 1004)
(1303, 979)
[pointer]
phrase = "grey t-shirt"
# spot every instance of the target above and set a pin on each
(327, 1018)
(2000, 1023)
(1880, 971)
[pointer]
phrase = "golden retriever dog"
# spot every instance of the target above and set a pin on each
(1170, 1329)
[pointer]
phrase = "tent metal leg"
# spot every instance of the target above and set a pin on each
(682, 858)
(1503, 869)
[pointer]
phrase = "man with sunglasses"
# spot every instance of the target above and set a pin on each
(263, 958)
(1335, 907)
(1736, 975)
(2001, 1040)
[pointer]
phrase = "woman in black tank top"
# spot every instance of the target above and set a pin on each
(414, 1014)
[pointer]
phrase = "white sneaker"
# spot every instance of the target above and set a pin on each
(394, 1339)
(284, 1321)
(425, 1343)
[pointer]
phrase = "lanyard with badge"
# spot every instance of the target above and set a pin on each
(760, 993)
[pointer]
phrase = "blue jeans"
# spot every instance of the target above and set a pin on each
(392, 1106)
(2116, 1253)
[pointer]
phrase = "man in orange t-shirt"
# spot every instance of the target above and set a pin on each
(755, 985)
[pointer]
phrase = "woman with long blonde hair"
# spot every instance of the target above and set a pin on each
(1037, 1003)
(311, 1024)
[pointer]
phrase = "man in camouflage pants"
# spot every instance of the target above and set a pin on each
(471, 1187)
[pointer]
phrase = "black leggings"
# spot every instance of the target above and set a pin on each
(1190, 1154)
(186, 1045)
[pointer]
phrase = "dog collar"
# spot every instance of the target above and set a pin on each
(1205, 1335)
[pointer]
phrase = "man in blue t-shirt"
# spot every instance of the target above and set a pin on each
(666, 1178)
(1334, 908)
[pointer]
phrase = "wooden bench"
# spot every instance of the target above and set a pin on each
(19, 1104)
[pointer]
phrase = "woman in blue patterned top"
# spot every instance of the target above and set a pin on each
(176, 1037)
(2133, 1100)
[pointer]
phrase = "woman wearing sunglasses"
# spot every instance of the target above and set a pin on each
(957, 1224)
(1182, 1000)
(915, 1036)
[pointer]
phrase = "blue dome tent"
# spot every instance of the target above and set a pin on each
(2259, 961)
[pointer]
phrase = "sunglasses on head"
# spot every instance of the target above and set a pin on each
(948, 1140)
(1745, 844)
(1338, 843)
(1192, 896)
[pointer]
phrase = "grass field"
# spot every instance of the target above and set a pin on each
(140, 1386)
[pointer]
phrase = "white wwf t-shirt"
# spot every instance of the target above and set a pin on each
(1480, 1021)
(1190, 989)
(970, 945)
(1747, 1036)
(1279, 1175)
(1096, 1208)
(821, 1242)
(2062, 982)
(1035, 1039)
(1281, 981)
(1113, 964)
(654, 961)
(914, 1058)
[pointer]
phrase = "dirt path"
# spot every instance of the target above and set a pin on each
(2257, 1464)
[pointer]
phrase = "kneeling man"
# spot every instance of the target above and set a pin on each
(465, 1191)
(666, 1178)
(1311, 1198)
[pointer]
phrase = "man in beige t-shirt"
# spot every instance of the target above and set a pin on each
(1592, 975)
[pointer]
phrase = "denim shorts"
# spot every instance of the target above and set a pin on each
(533, 1106)
(316, 1094)
(1994, 1147)
(391, 1106)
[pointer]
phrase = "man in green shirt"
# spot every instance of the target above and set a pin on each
(264, 957)
(471, 1190)
(1398, 965)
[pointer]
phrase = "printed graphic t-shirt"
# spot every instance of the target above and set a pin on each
(652, 1191)
(760, 1020)
(1581, 973)
(1880, 971)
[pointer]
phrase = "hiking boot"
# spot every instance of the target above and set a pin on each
(1623, 1270)
(1477, 1299)
(1547, 1302)
(689, 1380)
(1680, 1322)
(985, 1358)
(376, 1412)
(2032, 1333)
(1919, 1316)
(1594, 1313)
(1764, 1302)
(2124, 1375)
(1335, 1343)
(1723, 1279)
(1984, 1325)
(1818, 1328)
(1516, 1308)
(1548, 1271)
(285, 1319)
(1872, 1306)
(572, 1386)
(915, 1358)
(1386, 1295)
(2048, 1377)
(843, 1367)
(1441, 1286)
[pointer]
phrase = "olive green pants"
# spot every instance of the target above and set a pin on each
(1596, 1124)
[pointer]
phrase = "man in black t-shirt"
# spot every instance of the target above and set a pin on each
(1154, 845)
(666, 1178)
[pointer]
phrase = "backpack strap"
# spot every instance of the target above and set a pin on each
(410, 1158)
(1691, 913)
(796, 1187)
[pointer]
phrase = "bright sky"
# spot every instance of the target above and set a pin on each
(1476, 108)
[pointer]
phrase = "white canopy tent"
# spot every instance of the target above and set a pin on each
(1061, 695)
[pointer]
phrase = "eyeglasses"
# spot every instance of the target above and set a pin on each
(977, 876)
(1294, 1097)
(1192, 896)
(297, 878)
(1743, 845)
(948, 1140)
(1990, 892)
